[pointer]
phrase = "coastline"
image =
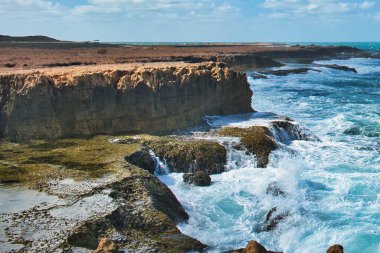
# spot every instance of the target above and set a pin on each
(154, 211)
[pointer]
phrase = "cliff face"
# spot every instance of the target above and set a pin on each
(143, 99)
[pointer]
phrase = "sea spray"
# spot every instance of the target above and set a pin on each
(331, 186)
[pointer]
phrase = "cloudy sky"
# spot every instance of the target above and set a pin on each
(194, 20)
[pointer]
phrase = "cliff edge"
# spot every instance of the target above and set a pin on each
(151, 98)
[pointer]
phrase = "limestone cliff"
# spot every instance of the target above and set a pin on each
(113, 99)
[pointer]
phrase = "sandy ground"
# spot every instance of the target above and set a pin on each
(78, 70)
(30, 58)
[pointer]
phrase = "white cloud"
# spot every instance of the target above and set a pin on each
(180, 10)
(366, 5)
(32, 7)
(293, 8)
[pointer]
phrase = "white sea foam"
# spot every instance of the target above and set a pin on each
(332, 186)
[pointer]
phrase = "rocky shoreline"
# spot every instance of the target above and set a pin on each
(100, 192)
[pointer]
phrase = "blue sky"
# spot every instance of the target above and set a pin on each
(194, 20)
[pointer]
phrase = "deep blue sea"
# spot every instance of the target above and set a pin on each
(332, 185)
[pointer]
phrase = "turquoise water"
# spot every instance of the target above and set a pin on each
(332, 186)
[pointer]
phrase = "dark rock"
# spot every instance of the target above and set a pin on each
(254, 247)
(256, 139)
(338, 67)
(272, 219)
(352, 131)
(199, 178)
(67, 64)
(335, 249)
(249, 61)
(180, 154)
(10, 65)
(258, 76)
(285, 72)
(275, 190)
(142, 159)
(286, 131)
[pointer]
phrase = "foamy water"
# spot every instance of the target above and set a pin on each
(332, 186)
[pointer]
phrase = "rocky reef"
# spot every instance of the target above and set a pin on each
(117, 99)
(96, 199)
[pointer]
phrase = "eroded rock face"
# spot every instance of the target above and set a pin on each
(256, 139)
(144, 99)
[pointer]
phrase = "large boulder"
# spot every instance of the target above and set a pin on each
(287, 131)
(254, 247)
(335, 249)
(256, 139)
(142, 158)
(199, 178)
(180, 154)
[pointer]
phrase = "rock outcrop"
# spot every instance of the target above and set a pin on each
(115, 99)
(210, 156)
(335, 249)
(256, 139)
(142, 158)
(199, 178)
(254, 247)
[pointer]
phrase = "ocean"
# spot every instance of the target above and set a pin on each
(332, 186)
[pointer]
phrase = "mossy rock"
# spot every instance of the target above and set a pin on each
(256, 139)
(180, 154)
(39, 161)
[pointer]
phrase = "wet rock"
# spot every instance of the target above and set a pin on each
(199, 178)
(335, 249)
(256, 139)
(180, 154)
(274, 190)
(338, 67)
(258, 76)
(254, 247)
(107, 246)
(142, 159)
(272, 219)
(286, 131)
(285, 72)
(145, 218)
(352, 131)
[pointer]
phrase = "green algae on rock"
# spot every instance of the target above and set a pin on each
(128, 203)
(256, 139)
(179, 154)
(74, 158)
